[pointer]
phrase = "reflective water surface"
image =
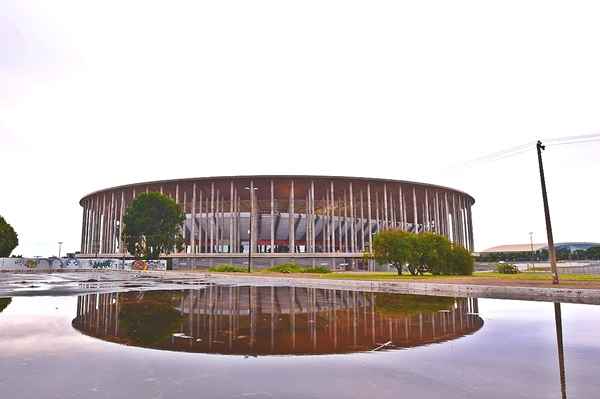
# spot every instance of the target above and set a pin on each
(280, 342)
(274, 320)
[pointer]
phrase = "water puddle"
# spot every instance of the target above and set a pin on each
(285, 342)
(274, 320)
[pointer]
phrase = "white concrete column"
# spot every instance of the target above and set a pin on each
(313, 236)
(90, 228)
(470, 221)
(103, 225)
(84, 247)
(445, 210)
(292, 230)
(346, 228)
(207, 224)
(200, 215)
(251, 243)
(111, 224)
(362, 223)
(353, 221)
(93, 224)
(454, 224)
(401, 204)
(332, 198)
(217, 221)
(385, 207)
(327, 223)
(83, 222)
(324, 233)
(427, 216)
(272, 216)
(464, 227)
(193, 227)
(392, 211)
(121, 212)
(415, 212)
(370, 227)
(230, 245)
(377, 215)
(212, 217)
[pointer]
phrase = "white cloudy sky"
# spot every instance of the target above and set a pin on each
(95, 94)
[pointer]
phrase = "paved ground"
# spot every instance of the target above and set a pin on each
(71, 283)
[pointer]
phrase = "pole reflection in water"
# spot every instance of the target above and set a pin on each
(561, 354)
(274, 320)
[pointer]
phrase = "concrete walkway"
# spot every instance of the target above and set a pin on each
(73, 283)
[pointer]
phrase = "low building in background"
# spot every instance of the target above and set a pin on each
(538, 252)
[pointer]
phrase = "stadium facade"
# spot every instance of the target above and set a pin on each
(312, 220)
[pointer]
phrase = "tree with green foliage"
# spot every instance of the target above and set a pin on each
(152, 226)
(420, 253)
(8, 238)
(460, 261)
(395, 247)
(431, 254)
(593, 253)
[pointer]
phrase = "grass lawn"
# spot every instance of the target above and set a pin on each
(525, 276)
(524, 279)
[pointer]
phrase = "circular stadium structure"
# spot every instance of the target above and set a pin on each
(311, 220)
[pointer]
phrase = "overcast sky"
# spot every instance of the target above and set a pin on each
(96, 94)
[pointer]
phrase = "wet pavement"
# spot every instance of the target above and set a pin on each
(190, 338)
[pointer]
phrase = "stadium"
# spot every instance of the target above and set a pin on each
(311, 220)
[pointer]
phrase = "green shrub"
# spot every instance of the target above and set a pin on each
(506, 268)
(286, 268)
(317, 269)
(228, 268)
(460, 261)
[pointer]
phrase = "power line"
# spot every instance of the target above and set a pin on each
(513, 151)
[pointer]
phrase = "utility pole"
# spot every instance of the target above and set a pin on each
(551, 250)
(60, 243)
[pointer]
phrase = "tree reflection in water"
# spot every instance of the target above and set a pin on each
(149, 317)
(4, 302)
(274, 320)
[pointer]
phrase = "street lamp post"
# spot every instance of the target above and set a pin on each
(60, 243)
(532, 256)
(251, 191)
(551, 251)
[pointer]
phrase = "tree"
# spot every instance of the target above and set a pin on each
(152, 226)
(593, 253)
(421, 253)
(460, 261)
(393, 247)
(8, 238)
(431, 254)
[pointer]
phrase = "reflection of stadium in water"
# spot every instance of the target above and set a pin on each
(274, 320)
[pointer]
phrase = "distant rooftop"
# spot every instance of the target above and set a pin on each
(573, 246)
